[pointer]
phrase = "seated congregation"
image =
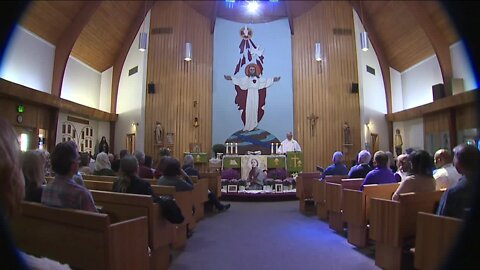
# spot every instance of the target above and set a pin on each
(413, 208)
(136, 222)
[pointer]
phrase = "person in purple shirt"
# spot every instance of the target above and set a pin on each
(382, 174)
(338, 167)
(362, 168)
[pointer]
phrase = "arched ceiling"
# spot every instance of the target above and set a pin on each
(398, 31)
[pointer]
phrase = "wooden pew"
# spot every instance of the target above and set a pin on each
(395, 223)
(214, 182)
(99, 178)
(184, 201)
(356, 210)
(318, 195)
(333, 200)
(125, 206)
(304, 188)
(98, 185)
(200, 194)
(435, 237)
(81, 239)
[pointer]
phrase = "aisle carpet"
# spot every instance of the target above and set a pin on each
(268, 235)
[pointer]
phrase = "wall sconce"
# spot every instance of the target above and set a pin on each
(135, 124)
(188, 51)
(318, 52)
(195, 122)
(142, 42)
(364, 41)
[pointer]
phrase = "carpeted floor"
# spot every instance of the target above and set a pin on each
(267, 235)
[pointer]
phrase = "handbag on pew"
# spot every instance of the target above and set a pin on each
(170, 209)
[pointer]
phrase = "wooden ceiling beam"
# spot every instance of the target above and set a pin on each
(380, 51)
(26, 94)
(289, 15)
(123, 52)
(213, 17)
(438, 41)
(66, 42)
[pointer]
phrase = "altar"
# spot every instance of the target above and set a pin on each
(292, 162)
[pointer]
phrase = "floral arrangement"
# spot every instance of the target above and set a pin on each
(218, 148)
(164, 151)
(230, 174)
(279, 173)
(242, 182)
(288, 182)
(268, 181)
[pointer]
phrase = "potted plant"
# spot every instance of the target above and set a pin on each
(218, 149)
(287, 184)
(268, 184)
(242, 184)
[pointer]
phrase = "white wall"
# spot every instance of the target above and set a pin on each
(131, 97)
(396, 87)
(81, 83)
(462, 66)
(412, 133)
(105, 98)
(28, 60)
(418, 80)
(373, 106)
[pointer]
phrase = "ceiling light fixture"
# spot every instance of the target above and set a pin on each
(188, 52)
(363, 35)
(318, 52)
(142, 38)
(252, 7)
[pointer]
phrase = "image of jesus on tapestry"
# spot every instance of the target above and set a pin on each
(251, 93)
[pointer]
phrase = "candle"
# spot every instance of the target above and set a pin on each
(226, 150)
(236, 148)
(271, 148)
(276, 147)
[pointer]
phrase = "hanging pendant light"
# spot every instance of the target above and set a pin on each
(142, 42)
(364, 41)
(318, 52)
(188, 52)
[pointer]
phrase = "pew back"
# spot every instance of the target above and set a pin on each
(99, 178)
(435, 237)
(84, 240)
(214, 182)
(395, 223)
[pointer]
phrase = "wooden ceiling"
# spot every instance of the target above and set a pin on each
(404, 41)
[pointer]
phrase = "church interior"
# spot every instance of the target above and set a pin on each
(267, 98)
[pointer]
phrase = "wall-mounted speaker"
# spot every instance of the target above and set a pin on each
(355, 88)
(438, 91)
(151, 88)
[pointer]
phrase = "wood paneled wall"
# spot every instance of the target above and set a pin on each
(324, 88)
(178, 84)
(467, 117)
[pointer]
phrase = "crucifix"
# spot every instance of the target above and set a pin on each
(312, 118)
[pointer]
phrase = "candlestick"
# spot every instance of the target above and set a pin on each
(271, 148)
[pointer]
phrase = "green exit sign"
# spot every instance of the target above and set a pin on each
(21, 108)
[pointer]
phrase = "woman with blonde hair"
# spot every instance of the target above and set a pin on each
(102, 165)
(128, 181)
(12, 188)
(32, 167)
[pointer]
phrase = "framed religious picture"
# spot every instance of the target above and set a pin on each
(170, 140)
(232, 188)
(278, 187)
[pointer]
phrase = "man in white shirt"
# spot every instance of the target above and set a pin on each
(446, 175)
(288, 145)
